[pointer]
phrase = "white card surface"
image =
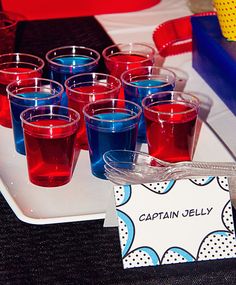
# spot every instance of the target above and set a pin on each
(175, 221)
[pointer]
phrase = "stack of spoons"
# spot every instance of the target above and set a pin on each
(135, 167)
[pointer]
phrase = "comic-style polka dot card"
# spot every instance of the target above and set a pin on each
(175, 221)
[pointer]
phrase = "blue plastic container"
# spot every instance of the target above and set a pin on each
(214, 58)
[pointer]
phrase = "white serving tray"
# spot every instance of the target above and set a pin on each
(85, 197)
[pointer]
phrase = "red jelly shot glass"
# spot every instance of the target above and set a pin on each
(171, 124)
(50, 134)
(85, 88)
(15, 66)
(121, 57)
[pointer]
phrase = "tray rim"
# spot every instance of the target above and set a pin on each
(42, 221)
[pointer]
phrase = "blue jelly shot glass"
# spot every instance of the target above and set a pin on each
(64, 62)
(110, 124)
(27, 93)
(143, 81)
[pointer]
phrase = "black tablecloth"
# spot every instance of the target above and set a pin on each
(38, 37)
(81, 252)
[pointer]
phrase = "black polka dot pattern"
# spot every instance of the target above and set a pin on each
(160, 187)
(218, 245)
(119, 195)
(137, 258)
(122, 194)
(123, 233)
(227, 217)
(223, 182)
(202, 181)
(173, 257)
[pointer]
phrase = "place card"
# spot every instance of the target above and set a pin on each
(175, 221)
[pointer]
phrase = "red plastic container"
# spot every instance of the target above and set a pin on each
(45, 9)
(214, 58)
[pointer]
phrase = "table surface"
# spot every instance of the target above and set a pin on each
(86, 252)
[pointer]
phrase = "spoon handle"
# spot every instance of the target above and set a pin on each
(228, 166)
(191, 169)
